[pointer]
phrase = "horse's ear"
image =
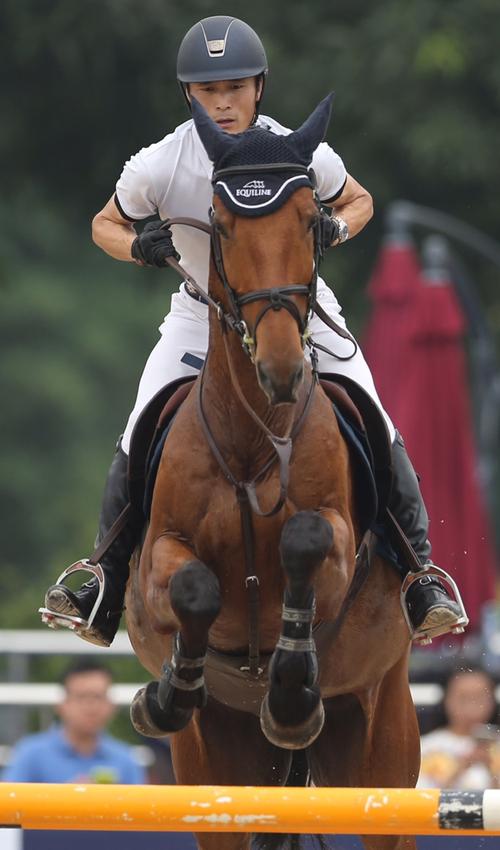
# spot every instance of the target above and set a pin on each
(215, 141)
(306, 139)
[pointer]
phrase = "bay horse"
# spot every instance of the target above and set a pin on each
(252, 541)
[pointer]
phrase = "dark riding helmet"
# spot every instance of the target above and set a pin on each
(220, 48)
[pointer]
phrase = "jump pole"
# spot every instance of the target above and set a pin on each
(191, 808)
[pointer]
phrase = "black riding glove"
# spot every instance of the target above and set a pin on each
(154, 245)
(328, 231)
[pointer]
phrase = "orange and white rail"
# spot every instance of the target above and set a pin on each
(177, 808)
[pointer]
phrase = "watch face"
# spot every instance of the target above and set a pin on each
(343, 230)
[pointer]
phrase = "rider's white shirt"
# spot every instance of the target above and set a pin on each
(173, 178)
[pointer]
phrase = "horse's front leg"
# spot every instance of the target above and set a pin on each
(292, 713)
(183, 599)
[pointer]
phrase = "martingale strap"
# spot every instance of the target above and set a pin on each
(249, 504)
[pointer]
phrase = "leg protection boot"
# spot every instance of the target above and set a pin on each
(430, 611)
(60, 600)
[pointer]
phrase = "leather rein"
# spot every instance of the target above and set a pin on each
(276, 298)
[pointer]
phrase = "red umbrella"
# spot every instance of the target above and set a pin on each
(391, 289)
(434, 417)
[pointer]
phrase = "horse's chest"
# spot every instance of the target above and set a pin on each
(230, 532)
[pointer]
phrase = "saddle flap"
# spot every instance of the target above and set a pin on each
(147, 432)
(359, 408)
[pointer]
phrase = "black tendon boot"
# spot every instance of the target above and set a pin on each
(75, 607)
(429, 608)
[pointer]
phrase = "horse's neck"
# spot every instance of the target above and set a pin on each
(236, 430)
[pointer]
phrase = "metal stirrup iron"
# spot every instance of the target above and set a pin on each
(56, 620)
(425, 636)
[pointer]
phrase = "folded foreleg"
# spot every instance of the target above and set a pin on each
(292, 713)
(183, 598)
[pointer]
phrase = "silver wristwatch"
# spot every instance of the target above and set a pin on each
(343, 229)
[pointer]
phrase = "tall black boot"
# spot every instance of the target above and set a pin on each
(430, 609)
(59, 599)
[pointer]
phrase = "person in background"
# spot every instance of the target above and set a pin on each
(465, 753)
(77, 749)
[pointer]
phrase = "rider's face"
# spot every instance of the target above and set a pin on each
(230, 103)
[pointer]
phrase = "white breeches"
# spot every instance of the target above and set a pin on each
(184, 336)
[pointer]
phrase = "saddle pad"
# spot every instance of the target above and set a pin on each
(154, 463)
(365, 488)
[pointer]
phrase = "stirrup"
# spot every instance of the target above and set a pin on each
(56, 620)
(425, 636)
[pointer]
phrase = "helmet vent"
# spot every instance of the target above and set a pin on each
(216, 47)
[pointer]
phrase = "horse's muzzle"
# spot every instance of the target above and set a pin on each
(280, 389)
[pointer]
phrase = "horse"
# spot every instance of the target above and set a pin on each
(251, 547)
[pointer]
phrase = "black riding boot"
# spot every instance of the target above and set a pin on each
(115, 564)
(429, 606)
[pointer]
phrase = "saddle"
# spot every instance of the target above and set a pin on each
(359, 419)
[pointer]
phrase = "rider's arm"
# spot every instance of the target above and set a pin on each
(113, 233)
(354, 206)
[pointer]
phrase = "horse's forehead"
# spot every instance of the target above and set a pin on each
(299, 204)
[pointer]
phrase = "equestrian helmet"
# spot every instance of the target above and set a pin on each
(220, 48)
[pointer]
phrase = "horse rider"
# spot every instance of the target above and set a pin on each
(222, 62)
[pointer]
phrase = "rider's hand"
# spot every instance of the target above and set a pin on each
(154, 245)
(328, 231)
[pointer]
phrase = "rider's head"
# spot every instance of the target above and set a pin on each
(222, 62)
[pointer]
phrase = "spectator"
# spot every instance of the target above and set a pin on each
(77, 749)
(464, 753)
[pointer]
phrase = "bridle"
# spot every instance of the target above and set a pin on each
(278, 297)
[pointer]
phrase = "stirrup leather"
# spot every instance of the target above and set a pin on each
(56, 620)
(425, 636)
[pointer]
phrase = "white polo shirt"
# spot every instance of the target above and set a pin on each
(173, 178)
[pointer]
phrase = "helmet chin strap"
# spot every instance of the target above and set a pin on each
(262, 78)
(183, 88)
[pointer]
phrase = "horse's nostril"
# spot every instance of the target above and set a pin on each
(265, 382)
(299, 374)
(280, 389)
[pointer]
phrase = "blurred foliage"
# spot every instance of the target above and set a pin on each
(85, 85)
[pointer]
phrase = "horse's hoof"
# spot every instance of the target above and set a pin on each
(291, 737)
(148, 718)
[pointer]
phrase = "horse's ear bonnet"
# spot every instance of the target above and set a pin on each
(257, 192)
